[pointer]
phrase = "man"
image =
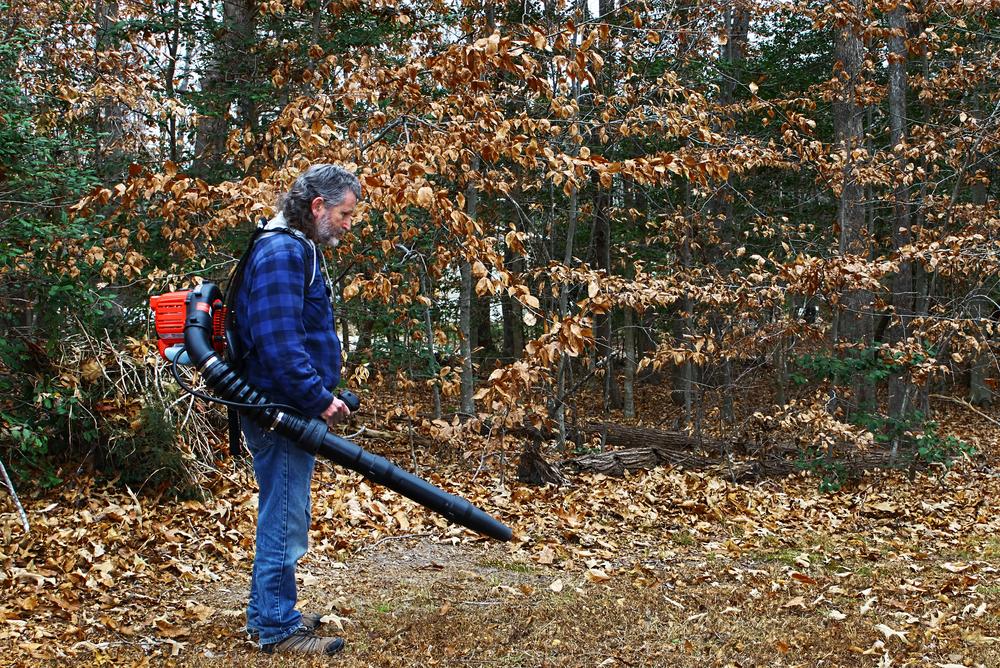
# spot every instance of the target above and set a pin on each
(290, 351)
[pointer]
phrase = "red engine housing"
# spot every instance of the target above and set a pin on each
(170, 312)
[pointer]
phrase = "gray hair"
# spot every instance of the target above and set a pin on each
(331, 182)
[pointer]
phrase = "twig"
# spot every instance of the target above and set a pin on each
(365, 548)
(967, 405)
(413, 449)
(17, 501)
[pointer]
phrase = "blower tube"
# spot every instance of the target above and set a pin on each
(311, 434)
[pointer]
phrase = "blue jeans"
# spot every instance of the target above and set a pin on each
(283, 473)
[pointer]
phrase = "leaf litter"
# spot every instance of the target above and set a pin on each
(666, 567)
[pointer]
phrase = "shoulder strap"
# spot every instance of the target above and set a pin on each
(277, 225)
(236, 275)
(264, 230)
(232, 354)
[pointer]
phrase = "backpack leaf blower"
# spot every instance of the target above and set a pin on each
(191, 323)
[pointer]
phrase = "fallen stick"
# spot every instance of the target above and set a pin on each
(17, 501)
(967, 405)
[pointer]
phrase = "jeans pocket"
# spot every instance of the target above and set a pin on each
(258, 439)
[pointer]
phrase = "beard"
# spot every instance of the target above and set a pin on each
(327, 237)
(324, 233)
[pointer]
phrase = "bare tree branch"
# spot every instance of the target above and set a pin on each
(13, 495)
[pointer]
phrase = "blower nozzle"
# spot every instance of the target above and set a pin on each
(203, 339)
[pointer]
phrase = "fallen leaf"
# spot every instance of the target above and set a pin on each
(335, 620)
(889, 632)
(802, 577)
(955, 568)
(168, 630)
(884, 507)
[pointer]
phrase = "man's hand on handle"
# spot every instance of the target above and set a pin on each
(336, 412)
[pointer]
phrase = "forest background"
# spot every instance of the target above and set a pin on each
(757, 234)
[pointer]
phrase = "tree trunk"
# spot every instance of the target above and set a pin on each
(901, 390)
(781, 369)
(984, 361)
(432, 364)
(643, 458)
(683, 373)
(170, 75)
(643, 449)
(465, 299)
(532, 467)
(109, 117)
(602, 238)
(558, 409)
(604, 351)
(854, 317)
(317, 22)
(732, 54)
(513, 335)
(365, 337)
(482, 330)
(465, 331)
(345, 325)
(228, 67)
(983, 365)
(630, 365)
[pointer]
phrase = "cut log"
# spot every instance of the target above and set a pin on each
(625, 436)
(616, 462)
(847, 466)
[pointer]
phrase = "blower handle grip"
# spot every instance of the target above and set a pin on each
(351, 399)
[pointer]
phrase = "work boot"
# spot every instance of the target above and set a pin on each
(304, 641)
(310, 620)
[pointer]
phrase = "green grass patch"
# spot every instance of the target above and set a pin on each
(786, 556)
(989, 592)
(683, 538)
(386, 607)
(991, 548)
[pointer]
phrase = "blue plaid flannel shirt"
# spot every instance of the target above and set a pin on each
(286, 329)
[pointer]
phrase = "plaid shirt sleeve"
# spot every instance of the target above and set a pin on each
(276, 324)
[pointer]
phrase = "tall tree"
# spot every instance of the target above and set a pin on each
(466, 299)
(602, 231)
(229, 61)
(901, 399)
(109, 116)
(732, 58)
(854, 318)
